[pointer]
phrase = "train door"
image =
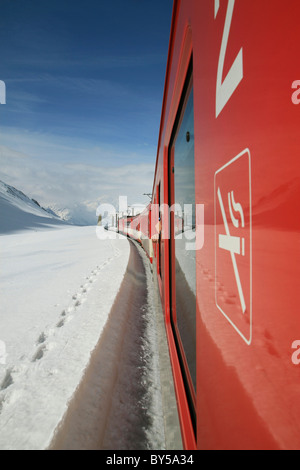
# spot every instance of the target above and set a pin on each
(182, 228)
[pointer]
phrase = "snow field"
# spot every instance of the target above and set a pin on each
(57, 289)
(118, 404)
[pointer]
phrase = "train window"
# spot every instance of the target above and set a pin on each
(183, 259)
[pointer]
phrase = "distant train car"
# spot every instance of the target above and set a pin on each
(123, 224)
(225, 222)
(139, 228)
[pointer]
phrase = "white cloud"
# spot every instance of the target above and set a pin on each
(77, 186)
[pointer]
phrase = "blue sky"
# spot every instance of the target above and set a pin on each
(84, 88)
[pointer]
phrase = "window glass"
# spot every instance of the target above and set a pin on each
(184, 233)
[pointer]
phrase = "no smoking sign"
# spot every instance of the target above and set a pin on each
(233, 243)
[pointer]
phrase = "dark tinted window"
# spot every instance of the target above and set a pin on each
(184, 232)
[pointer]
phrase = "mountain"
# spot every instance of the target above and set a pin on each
(77, 213)
(19, 212)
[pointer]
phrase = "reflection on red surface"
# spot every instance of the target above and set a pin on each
(250, 389)
(247, 175)
(262, 375)
(233, 243)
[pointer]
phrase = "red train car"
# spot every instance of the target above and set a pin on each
(228, 164)
(124, 223)
(138, 228)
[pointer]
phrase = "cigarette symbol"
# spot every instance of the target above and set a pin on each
(234, 245)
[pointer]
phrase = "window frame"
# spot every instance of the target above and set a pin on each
(188, 382)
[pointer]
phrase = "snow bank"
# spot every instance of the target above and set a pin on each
(19, 213)
(118, 404)
(57, 289)
(79, 364)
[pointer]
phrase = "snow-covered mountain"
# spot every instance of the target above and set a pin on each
(77, 214)
(19, 212)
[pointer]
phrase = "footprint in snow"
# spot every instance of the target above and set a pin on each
(42, 338)
(7, 381)
(60, 323)
(39, 354)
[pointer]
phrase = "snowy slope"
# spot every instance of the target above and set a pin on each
(76, 213)
(19, 212)
(57, 288)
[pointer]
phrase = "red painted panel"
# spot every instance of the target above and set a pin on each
(247, 173)
(252, 398)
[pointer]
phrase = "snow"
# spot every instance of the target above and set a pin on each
(62, 293)
(57, 289)
(19, 212)
(118, 404)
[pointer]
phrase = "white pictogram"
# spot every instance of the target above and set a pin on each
(233, 243)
